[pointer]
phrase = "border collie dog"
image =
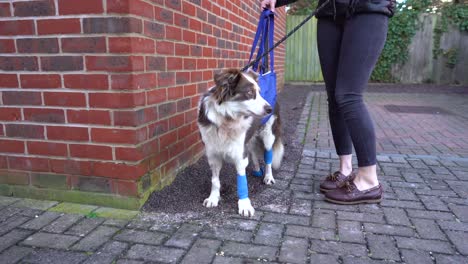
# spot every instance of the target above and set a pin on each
(229, 120)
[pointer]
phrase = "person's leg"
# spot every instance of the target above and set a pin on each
(329, 35)
(364, 37)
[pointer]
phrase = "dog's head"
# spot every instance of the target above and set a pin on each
(240, 92)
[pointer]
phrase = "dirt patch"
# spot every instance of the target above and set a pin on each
(184, 197)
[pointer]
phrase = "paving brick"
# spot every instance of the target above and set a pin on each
(349, 231)
(234, 260)
(30, 212)
(47, 240)
(439, 193)
(116, 222)
(459, 239)
(139, 236)
(8, 212)
(269, 234)
(36, 204)
(433, 203)
(371, 209)
(338, 248)
(53, 256)
(139, 223)
(446, 259)
(337, 207)
(242, 224)
(293, 250)
(453, 225)
(424, 244)
(155, 253)
(286, 219)
(6, 201)
(13, 237)
(227, 234)
(431, 215)
(165, 228)
(62, 223)
(460, 211)
(428, 229)
(354, 260)
(14, 254)
(11, 223)
(322, 258)
(361, 217)
(184, 237)
(402, 204)
(324, 219)
(41, 221)
(84, 226)
(415, 257)
(275, 208)
(383, 247)
(310, 232)
(405, 194)
(301, 207)
(96, 238)
(129, 261)
(249, 251)
(108, 253)
(202, 251)
(388, 229)
(412, 177)
(396, 216)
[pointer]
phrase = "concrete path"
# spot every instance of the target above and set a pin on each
(423, 163)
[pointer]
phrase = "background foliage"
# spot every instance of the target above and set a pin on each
(402, 28)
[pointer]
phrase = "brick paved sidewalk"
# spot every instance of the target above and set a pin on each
(423, 163)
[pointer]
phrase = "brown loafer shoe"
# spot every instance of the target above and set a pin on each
(348, 193)
(333, 181)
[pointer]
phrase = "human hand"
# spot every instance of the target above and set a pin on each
(269, 4)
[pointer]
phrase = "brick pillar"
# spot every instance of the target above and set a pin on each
(99, 97)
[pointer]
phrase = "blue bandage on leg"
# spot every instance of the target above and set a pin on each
(268, 156)
(258, 173)
(242, 190)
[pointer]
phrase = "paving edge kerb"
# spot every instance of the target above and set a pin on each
(90, 211)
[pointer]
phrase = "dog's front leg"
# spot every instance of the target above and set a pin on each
(215, 165)
(245, 206)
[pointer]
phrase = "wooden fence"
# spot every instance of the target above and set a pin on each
(302, 63)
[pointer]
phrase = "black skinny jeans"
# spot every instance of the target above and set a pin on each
(348, 50)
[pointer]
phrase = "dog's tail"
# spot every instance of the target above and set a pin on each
(278, 153)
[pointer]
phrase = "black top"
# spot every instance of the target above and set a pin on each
(343, 7)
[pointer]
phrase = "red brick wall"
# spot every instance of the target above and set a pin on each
(101, 95)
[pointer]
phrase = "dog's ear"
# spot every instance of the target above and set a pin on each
(250, 72)
(226, 82)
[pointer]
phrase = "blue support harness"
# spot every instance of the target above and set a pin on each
(266, 80)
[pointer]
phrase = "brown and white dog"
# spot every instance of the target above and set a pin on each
(230, 126)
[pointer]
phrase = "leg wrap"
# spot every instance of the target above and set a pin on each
(258, 173)
(242, 190)
(268, 156)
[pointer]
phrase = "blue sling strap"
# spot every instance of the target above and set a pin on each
(266, 80)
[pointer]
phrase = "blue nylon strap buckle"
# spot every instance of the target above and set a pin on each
(242, 189)
(268, 156)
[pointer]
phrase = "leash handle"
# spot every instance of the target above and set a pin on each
(250, 64)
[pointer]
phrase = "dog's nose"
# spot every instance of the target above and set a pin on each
(268, 109)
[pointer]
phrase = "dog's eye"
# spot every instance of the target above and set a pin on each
(250, 93)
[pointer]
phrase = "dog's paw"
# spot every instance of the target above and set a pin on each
(245, 207)
(269, 180)
(211, 201)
